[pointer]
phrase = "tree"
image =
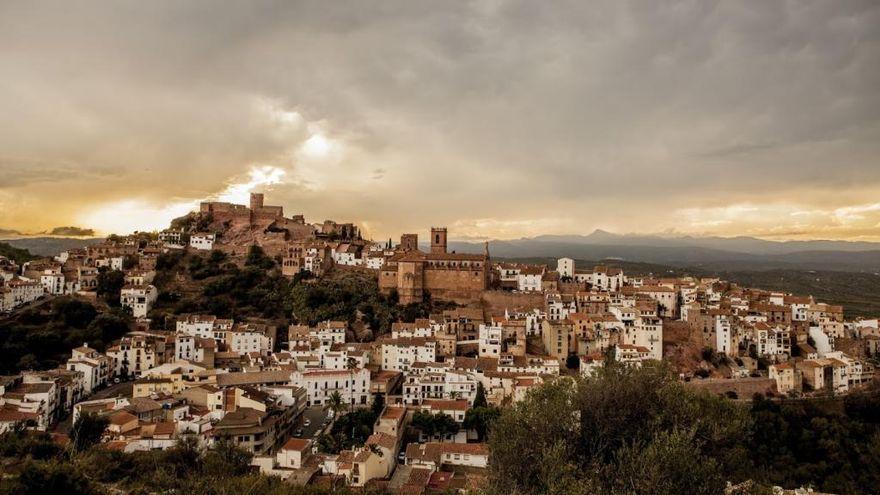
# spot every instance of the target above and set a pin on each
(256, 257)
(28, 362)
(19, 256)
(87, 431)
(39, 478)
(349, 430)
(129, 261)
(74, 312)
(480, 399)
(335, 403)
(110, 283)
(668, 464)
(226, 459)
(438, 424)
(105, 328)
(708, 354)
(572, 362)
(378, 404)
(617, 425)
(481, 419)
(351, 365)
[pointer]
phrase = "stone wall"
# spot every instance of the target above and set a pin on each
(498, 300)
(744, 388)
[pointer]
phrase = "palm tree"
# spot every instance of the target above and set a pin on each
(351, 365)
(334, 402)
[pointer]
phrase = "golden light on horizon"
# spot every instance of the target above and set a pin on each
(128, 215)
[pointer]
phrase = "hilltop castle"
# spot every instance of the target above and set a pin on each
(267, 226)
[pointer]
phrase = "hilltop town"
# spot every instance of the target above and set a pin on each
(332, 359)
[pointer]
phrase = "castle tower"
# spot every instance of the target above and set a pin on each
(409, 242)
(438, 240)
(256, 201)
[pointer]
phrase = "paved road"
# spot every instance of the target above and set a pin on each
(123, 389)
(316, 416)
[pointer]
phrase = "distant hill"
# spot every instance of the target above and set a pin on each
(15, 254)
(735, 253)
(740, 244)
(50, 246)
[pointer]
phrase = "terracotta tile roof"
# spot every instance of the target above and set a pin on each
(394, 413)
(446, 405)
(464, 448)
(122, 417)
(297, 444)
(382, 440)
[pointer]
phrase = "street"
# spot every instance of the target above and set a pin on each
(316, 416)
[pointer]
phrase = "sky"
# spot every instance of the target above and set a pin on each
(498, 119)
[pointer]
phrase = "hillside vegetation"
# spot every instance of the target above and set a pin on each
(33, 464)
(640, 431)
(41, 337)
(254, 288)
(17, 255)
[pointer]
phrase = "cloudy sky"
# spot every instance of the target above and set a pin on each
(499, 119)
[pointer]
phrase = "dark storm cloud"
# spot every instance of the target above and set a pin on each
(521, 111)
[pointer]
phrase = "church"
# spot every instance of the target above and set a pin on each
(445, 276)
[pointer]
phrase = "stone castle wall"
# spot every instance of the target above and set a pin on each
(461, 286)
(413, 280)
(501, 300)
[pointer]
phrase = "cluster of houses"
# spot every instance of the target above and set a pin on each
(77, 272)
(215, 379)
(795, 344)
(16, 290)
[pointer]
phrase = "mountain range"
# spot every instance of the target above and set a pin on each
(50, 246)
(728, 253)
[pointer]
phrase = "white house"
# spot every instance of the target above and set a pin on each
(95, 367)
(529, 278)
(352, 385)
(648, 333)
(565, 267)
(52, 281)
(400, 354)
(347, 254)
(244, 341)
(191, 348)
(24, 290)
(139, 298)
(490, 340)
(434, 455)
(723, 334)
(203, 241)
(173, 239)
